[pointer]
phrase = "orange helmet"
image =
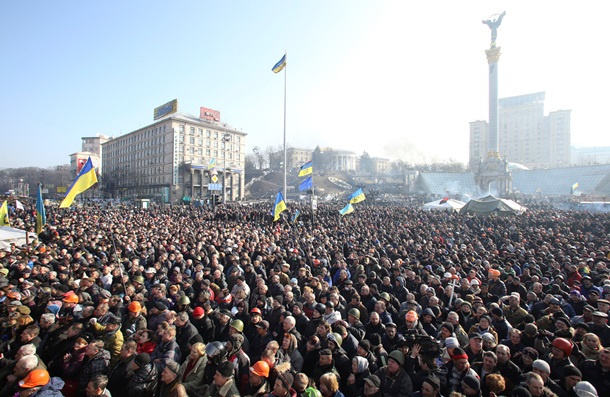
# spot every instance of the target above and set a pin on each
(134, 307)
(38, 377)
(70, 297)
(260, 368)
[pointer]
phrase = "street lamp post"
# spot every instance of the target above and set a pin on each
(225, 138)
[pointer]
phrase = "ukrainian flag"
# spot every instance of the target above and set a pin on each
(84, 180)
(41, 216)
(279, 206)
(211, 164)
(575, 186)
(4, 221)
(296, 216)
(357, 196)
(306, 169)
(348, 209)
(280, 65)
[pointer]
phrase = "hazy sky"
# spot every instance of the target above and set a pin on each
(399, 79)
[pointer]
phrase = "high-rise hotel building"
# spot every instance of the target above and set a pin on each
(526, 135)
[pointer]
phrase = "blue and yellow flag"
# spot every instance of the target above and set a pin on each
(84, 180)
(295, 216)
(348, 209)
(4, 220)
(575, 186)
(41, 216)
(211, 164)
(357, 196)
(280, 65)
(279, 206)
(306, 169)
(306, 184)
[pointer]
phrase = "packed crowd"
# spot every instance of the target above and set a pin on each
(384, 302)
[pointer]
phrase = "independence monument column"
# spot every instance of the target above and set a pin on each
(493, 175)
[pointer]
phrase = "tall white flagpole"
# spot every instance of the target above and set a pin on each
(285, 162)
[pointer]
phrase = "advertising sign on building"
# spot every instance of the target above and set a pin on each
(209, 114)
(80, 163)
(168, 108)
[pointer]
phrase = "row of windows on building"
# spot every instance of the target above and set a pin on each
(208, 133)
(208, 143)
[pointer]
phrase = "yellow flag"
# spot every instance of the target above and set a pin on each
(4, 221)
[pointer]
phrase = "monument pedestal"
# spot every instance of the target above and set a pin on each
(493, 176)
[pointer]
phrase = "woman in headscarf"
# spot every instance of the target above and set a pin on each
(290, 352)
(591, 346)
(360, 371)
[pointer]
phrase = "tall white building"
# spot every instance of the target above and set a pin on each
(177, 157)
(526, 135)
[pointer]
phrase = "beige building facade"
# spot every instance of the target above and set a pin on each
(179, 157)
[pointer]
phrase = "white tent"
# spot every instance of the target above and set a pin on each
(444, 205)
(10, 235)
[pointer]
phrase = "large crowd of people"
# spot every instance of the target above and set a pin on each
(176, 301)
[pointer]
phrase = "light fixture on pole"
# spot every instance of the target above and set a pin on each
(226, 137)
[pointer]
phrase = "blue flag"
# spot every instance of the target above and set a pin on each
(306, 184)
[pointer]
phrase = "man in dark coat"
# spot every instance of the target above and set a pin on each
(184, 333)
(394, 379)
(121, 372)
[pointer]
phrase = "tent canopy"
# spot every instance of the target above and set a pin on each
(444, 205)
(10, 235)
(492, 205)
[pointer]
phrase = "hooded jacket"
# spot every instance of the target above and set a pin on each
(51, 389)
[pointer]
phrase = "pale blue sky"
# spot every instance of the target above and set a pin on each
(400, 79)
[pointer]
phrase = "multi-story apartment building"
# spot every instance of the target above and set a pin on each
(177, 157)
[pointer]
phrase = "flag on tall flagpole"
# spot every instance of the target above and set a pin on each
(306, 169)
(296, 216)
(357, 196)
(575, 186)
(279, 206)
(41, 216)
(211, 164)
(280, 65)
(4, 220)
(348, 209)
(84, 180)
(306, 184)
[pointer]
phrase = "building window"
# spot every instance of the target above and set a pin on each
(192, 140)
(215, 134)
(192, 130)
(208, 133)
(181, 129)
